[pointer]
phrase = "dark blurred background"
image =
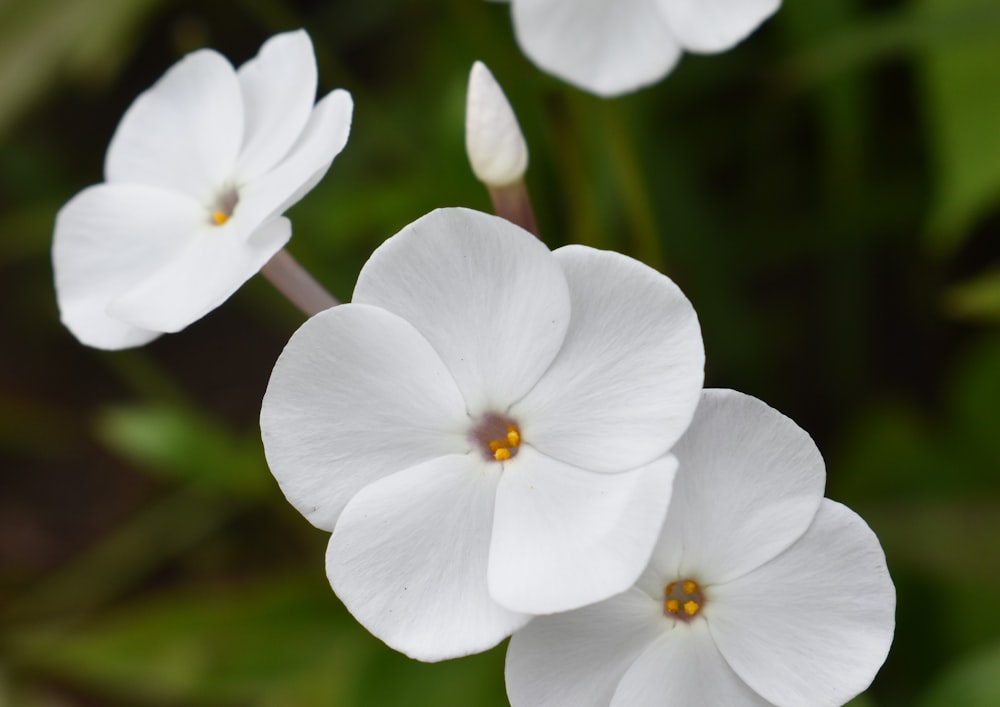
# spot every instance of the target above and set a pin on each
(827, 194)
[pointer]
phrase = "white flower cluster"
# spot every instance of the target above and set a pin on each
(490, 433)
(501, 439)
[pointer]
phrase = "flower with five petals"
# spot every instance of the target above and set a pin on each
(197, 175)
(485, 429)
(760, 591)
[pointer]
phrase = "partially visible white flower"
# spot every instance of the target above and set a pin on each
(759, 592)
(197, 176)
(493, 139)
(610, 47)
(484, 429)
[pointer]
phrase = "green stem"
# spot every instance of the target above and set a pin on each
(632, 186)
(166, 529)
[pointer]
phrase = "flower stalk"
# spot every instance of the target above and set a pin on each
(294, 282)
(512, 202)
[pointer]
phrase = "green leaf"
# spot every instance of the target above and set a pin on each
(978, 298)
(202, 648)
(862, 700)
(276, 643)
(973, 681)
(941, 539)
(41, 40)
(185, 446)
(962, 100)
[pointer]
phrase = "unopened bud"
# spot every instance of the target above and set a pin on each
(493, 139)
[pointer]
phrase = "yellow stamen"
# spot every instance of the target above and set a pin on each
(497, 437)
(219, 218)
(683, 594)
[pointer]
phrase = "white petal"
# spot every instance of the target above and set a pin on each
(185, 132)
(108, 238)
(488, 295)
(212, 266)
(714, 25)
(279, 88)
(408, 559)
(607, 48)
(322, 139)
(565, 537)
(356, 395)
(814, 625)
(576, 659)
(749, 484)
(628, 377)
(684, 667)
(493, 139)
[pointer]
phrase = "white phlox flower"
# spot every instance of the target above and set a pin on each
(610, 47)
(759, 591)
(485, 429)
(197, 175)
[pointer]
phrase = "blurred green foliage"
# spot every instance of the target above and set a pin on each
(827, 194)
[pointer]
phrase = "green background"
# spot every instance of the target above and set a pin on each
(827, 194)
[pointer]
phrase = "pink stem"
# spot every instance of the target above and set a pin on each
(513, 203)
(295, 283)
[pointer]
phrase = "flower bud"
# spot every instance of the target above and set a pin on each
(493, 139)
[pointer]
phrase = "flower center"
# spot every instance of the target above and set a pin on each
(224, 205)
(497, 436)
(683, 599)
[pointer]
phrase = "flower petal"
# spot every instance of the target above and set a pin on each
(714, 25)
(488, 295)
(749, 484)
(564, 537)
(607, 48)
(322, 139)
(279, 89)
(814, 625)
(408, 559)
(628, 376)
(108, 238)
(184, 133)
(356, 395)
(576, 659)
(683, 667)
(211, 267)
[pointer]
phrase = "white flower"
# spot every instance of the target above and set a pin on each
(760, 591)
(484, 429)
(197, 176)
(493, 139)
(610, 47)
